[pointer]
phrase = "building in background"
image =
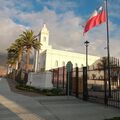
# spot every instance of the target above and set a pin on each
(3, 71)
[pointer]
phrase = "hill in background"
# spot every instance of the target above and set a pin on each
(3, 60)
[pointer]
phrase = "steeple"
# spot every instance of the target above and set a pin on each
(44, 37)
(44, 29)
(44, 40)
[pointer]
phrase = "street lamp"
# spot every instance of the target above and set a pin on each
(86, 44)
(85, 75)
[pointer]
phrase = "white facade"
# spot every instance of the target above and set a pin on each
(48, 58)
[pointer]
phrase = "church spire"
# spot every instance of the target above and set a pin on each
(45, 29)
(44, 37)
(44, 25)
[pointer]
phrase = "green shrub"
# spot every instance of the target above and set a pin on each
(48, 92)
(57, 91)
(53, 92)
(28, 88)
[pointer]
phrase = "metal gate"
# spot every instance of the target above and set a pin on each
(114, 100)
(90, 84)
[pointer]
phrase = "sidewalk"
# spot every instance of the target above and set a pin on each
(15, 106)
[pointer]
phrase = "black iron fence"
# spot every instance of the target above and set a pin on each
(59, 77)
(94, 87)
(114, 100)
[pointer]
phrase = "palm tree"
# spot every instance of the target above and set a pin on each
(12, 56)
(30, 41)
(20, 46)
(15, 51)
(12, 59)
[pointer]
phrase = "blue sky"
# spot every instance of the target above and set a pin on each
(79, 7)
(63, 18)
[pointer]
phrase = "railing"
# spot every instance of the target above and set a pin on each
(97, 84)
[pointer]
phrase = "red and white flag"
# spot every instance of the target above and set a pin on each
(98, 17)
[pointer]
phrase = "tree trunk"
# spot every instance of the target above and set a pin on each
(20, 58)
(27, 60)
(19, 61)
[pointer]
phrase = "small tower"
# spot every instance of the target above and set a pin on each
(44, 38)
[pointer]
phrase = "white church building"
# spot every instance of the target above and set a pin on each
(48, 58)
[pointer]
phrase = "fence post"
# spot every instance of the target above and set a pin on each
(57, 78)
(69, 68)
(53, 77)
(71, 81)
(76, 82)
(63, 76)
(85, 89)
(105, 85)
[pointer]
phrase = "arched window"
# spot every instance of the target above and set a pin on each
(76, 65)
(82, 65)
(63, 63)
(56, 63)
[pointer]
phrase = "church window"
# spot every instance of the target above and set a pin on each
(63, 63)
(76, 65)
(82, 65)
(56, 63)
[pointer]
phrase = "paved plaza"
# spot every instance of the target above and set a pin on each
(15, 106)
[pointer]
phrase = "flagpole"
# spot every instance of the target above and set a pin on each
(108, 49)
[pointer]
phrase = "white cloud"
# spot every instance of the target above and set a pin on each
(114, 8)
(61, 5)
(98, 40)
(65, 30)
(9, 31)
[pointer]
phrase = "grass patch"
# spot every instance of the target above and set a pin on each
(114, 118)
(47, 92)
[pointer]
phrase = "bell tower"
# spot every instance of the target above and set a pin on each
(44, 38)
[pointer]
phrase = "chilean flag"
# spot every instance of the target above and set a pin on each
(98, 17)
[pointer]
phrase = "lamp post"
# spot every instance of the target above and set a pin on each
(85, 74)
(86, 44)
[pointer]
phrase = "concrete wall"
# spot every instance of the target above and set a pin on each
(40, 80)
